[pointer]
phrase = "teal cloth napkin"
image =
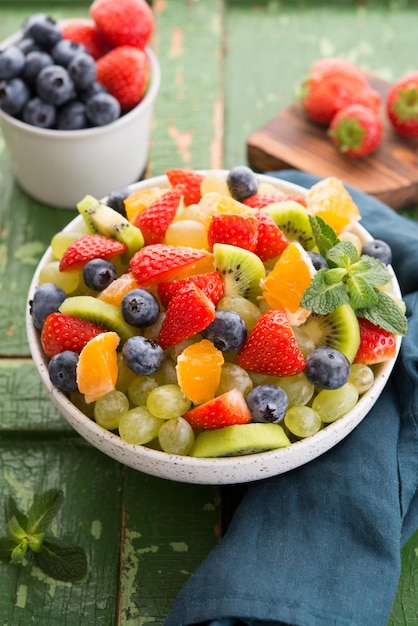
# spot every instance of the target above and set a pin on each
(320, 545)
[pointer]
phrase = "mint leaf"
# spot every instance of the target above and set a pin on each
(62, 561)
(324, 235)
(334, 275)
(14, 530)
(43, 511)
(11, 510)
(344, 254)
(361, 293)
(386, 314)
(18, 553)
(323, 296)
(7, 546)
(372, 270)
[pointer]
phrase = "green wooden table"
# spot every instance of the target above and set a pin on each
(227, 68)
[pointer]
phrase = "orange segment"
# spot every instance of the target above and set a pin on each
(97, 368)
(214, 202)
(330, 200)
(283, 287)
(118, 288)
(140, 200)
(199, 371)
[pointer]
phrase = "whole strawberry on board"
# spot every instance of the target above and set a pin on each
(356, 130)
(402, 105)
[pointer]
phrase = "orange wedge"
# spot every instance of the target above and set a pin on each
(97, 368)
(140, 200)
(118, 288)
(214, 202)
(330, 200)
(199, 371)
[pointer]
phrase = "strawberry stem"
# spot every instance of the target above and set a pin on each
(406, 105)
(348, 134)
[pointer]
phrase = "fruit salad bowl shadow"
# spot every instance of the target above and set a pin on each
(208, 471)
(58, 167)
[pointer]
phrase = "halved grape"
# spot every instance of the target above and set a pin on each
(331, 404)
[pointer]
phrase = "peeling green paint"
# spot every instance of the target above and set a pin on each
(179, 546)
(21, 596)
(148, 549)
(129, 572)
(29, 253)
(96, 528)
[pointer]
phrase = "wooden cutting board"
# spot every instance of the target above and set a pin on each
(290, 140)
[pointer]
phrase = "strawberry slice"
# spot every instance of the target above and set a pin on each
(225, 410)
(159, 262)
(157, 217)
(260, 200)
(271, 347)
(376, 344)
(211, 283)
(271, 240)
(89, 247)
(236, 230)
(188, 313)
(62, 331)
(191, 182)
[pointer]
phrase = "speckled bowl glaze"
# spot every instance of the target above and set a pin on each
(217, 471)
(59, 167)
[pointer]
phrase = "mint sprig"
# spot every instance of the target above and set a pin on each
(27, 532)
(351, 278)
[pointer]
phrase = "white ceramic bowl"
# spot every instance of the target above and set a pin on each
(60, 167)
(217, 471)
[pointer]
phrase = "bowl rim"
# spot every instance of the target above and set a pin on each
(154, 82)
(218, 469)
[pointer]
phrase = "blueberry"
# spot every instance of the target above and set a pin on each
(54, 85)
(99, 273)
(82, 70)
(62, 370)
(39, 113)
(227, 332)
(102, 109)
(115, 200)
(14, 94)
(12, 62)
(35, 62)
(140, 308)
(242, 182)
(65, 50)
(327, 368)
(27, 44)
(318, 260)
(379, 250)
(92, 90)
(72, 116)
(47, 298)
(267, 403)
(143, 356)
(43, 29)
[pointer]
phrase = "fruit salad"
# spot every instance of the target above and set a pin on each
(212, 315)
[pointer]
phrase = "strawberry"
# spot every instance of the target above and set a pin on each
(260, 200)
(89, 247)
(225, 410)
(161, 262)
(236, 230)
(124, 73)
(191, 182)
(402, 105)
(271, 347)
(67, 332)
(211, 283)
(356, 130)
(333, 84)
(157, 217)
(123, 22)
(271, 240)
(188, 313)
(84, 31)
(376, 344)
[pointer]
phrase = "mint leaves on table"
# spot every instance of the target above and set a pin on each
(28, 533)
(351, 278)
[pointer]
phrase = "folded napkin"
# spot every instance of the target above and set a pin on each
(320, 545)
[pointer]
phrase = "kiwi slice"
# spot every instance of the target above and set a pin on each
(239, 440)
(241, 269)
(99, 312)
(102, 219)
(339, 329)
(293, 219)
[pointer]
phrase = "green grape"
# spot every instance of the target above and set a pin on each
(167, 372)
(178, 348)
(125, 375)
(246, 309)
(152, 331)
(167, 401)
(232, 375)
(263, 379)
(109, 408)
(68, 281)
(302, 421)
(361, 376)
(331, 404)
(176, 436)
(298, 388)
(140, 387)
(138, 426)
(61, 240)
(304, 340)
